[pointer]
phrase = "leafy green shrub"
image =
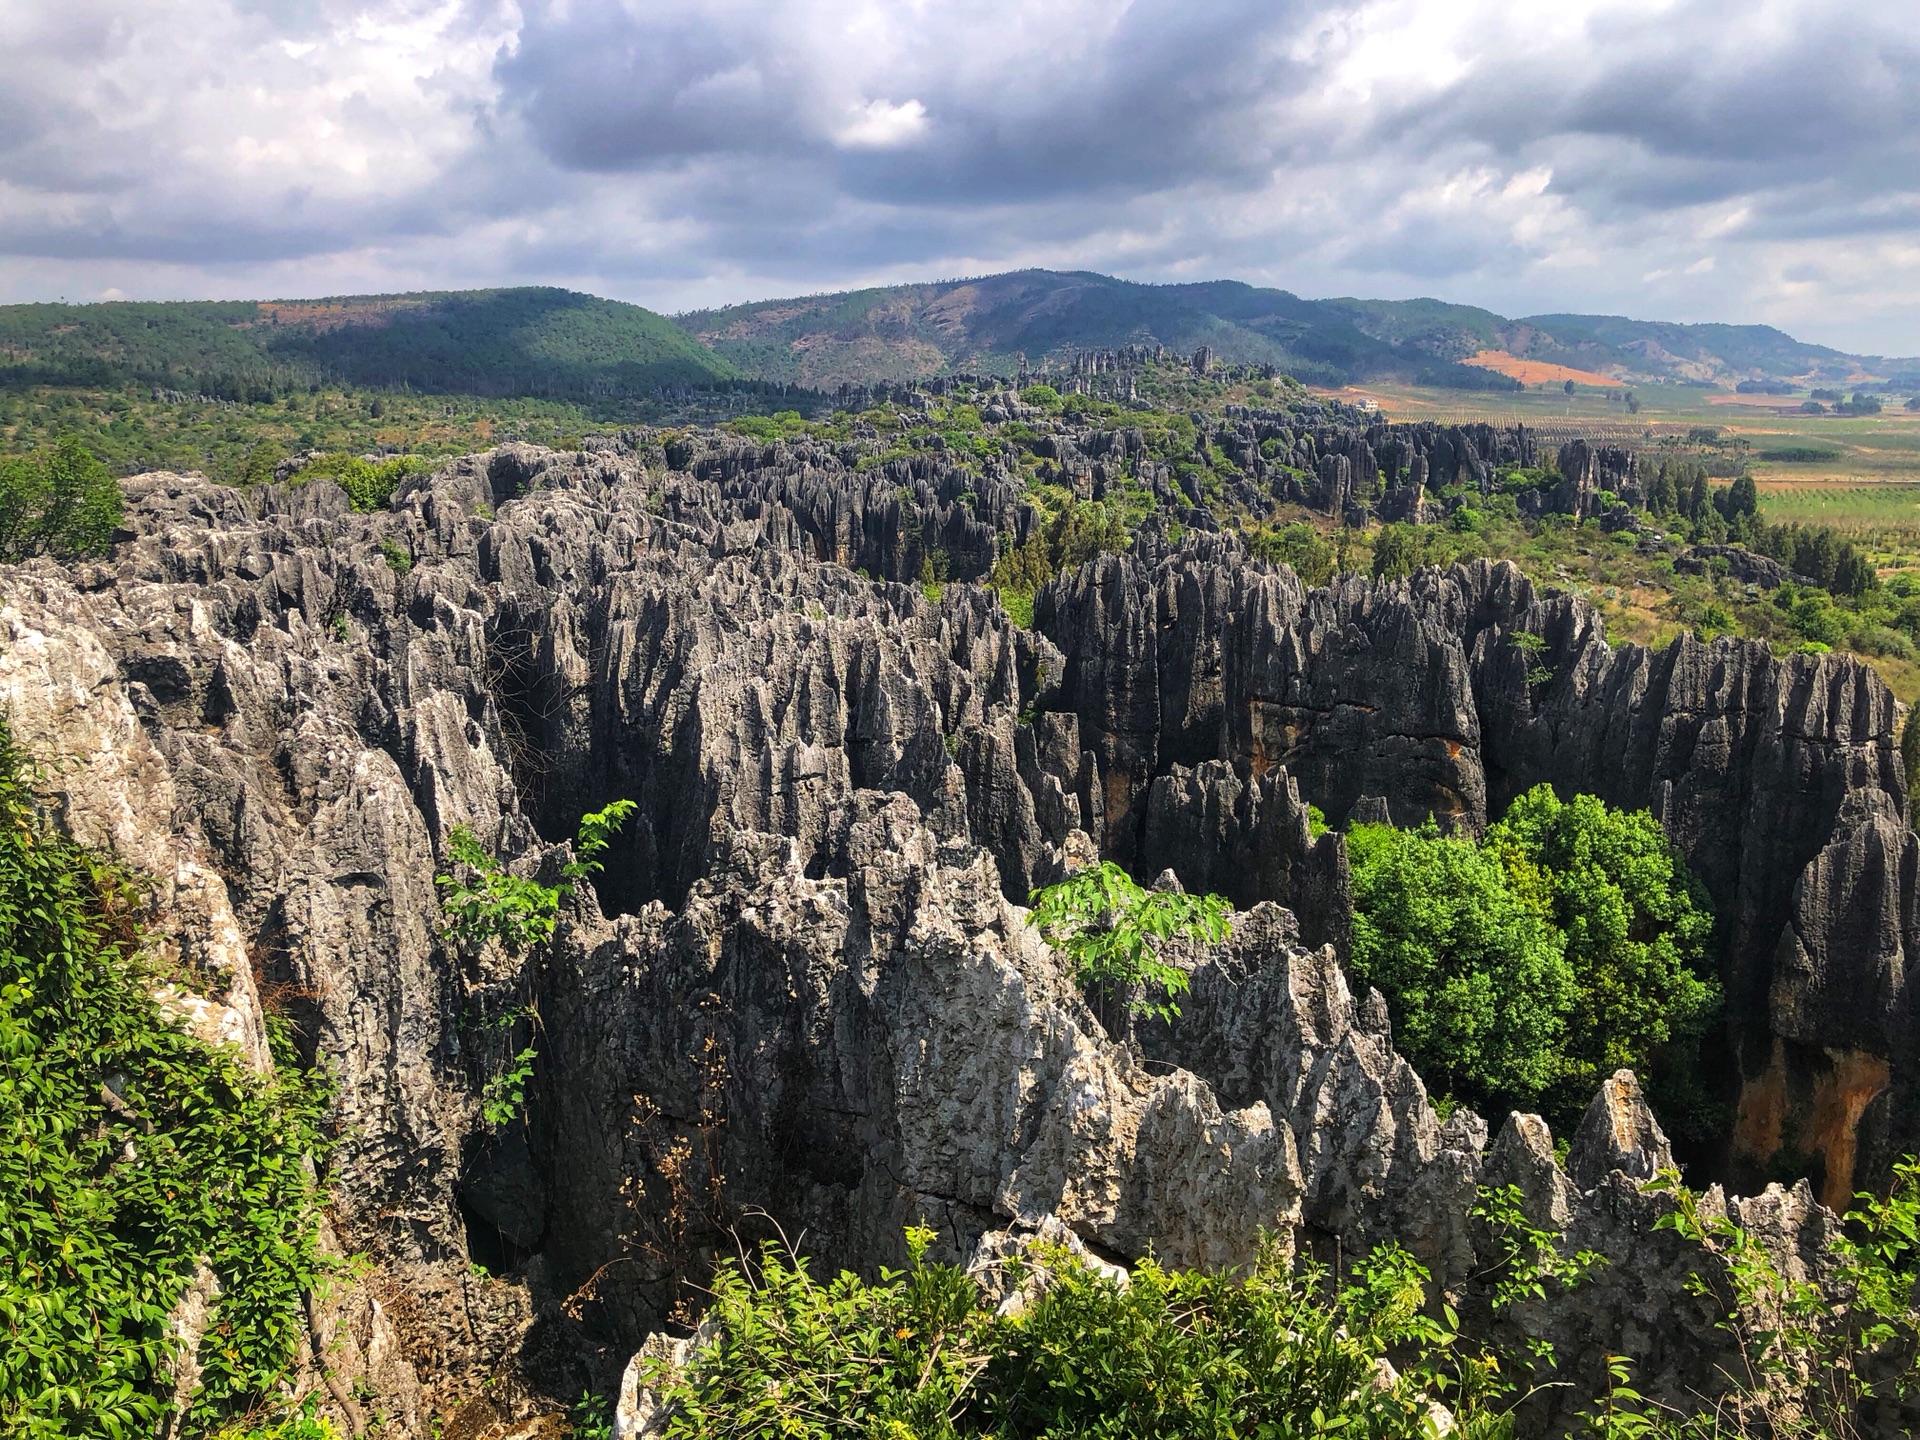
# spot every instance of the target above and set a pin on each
(1569, 943)
(261, 462)
(304, 1424)
(129, 1151)
(1043, 397)
(1300, 547)
(369, 486)
(1534, 645)
(1111, 929)
(504, 1096)
(1810, 1367)
(397, 557)
(1399, 550)
(935, 565)
(489, 902)
(63, 504)
(1018, 573)
(1276, 1351)
(1281, 1349)
(768, 428)
(1085, 530)
(493, 903)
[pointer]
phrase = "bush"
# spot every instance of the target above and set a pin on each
(1111, 930)
(261, 462)
(129, 1153)
(768, 428)
(918, 1355)
(1523, 970)
(1399, 550)
(485, 902)
(1811, 1367)
(1476, 978)
(1301, 548)
(1086, 529)
(1282, 1350)
(369, 486)
(63, 504)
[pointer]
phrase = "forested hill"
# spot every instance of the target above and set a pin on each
(991, 323)
(559, 344)
(528, 341)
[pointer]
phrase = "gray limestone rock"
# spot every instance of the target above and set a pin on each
(803, 987)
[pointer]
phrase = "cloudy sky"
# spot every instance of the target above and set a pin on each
(1671, 159)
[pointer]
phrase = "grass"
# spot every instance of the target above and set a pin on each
(132, 431)
(1884, 447)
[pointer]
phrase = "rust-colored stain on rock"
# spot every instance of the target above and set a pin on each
(1840, 1097)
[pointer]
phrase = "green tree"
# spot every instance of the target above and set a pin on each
(1740, 498)
(1523, 970)
(1475, 975)
(1399, 550)
(64, 504)
(1636, 924)
(1111, 930)
(261, 461)
(1300, 547)
(1018, 574)
(1086, 529)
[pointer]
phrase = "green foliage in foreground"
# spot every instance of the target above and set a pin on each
(1810, 1369)
(62, 503)
(1521, 971)
(129, 1150)
(1286, 1350)
(1207, 1355)
(1111, 930)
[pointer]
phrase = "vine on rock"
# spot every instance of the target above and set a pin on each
(490, 903)
(131, 1154)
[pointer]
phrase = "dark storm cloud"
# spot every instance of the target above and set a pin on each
(1171, 90)
(1583, 154)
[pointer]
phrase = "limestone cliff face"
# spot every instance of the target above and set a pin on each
(1779, 778)
(802, 988)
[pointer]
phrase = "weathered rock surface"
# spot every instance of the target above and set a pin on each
(803, 985)
(1778, 777)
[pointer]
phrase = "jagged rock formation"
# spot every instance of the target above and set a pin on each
(1779, 778)
(802, 983)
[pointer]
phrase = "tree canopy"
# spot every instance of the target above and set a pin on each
(1522, 970)
(62, 503)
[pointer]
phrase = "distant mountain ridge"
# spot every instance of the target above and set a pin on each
(541, 341)
(525, 341)
(996, 321)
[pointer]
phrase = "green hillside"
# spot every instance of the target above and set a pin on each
(993, 322)
(559, 345)
(517, 342)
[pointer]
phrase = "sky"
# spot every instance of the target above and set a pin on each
(1755, 162)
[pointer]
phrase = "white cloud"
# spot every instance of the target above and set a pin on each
(1687, 159)
(881, 123)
